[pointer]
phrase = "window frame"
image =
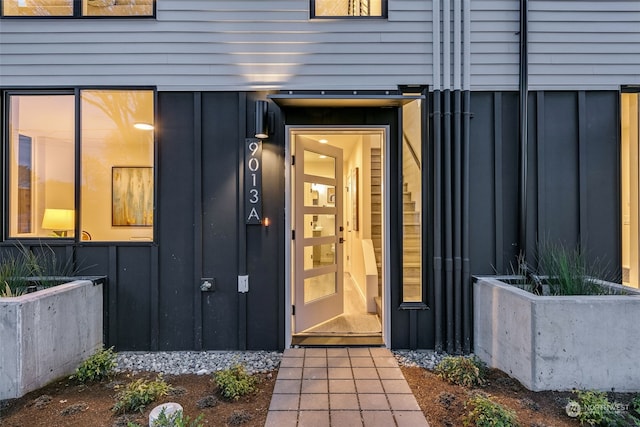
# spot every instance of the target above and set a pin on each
(383, 15)
(5, 160)
(77, 13)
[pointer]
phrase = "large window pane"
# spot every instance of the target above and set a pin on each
(41, 166)
(630, 188)
(346, 8)
(117, 7)
(117, 194)
(412, 289)
(37, 7)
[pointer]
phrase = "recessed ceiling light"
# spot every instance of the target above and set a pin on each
(322, 156)
(323, 141)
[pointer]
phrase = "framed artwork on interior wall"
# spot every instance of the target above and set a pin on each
(354, 199)
(132, 196)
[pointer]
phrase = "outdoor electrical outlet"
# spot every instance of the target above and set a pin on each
(243, 284)
(207, 284)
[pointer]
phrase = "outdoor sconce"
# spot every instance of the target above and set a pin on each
(262, 120)
(266, 222)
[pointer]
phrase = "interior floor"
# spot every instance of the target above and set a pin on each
(354, 321)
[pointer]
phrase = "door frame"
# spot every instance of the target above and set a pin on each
(386, 259)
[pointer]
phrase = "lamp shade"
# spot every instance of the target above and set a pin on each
(58, 219)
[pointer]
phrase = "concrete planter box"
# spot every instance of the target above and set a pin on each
(45, 335)
(558, 342)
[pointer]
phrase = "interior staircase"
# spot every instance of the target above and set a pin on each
(411, 270)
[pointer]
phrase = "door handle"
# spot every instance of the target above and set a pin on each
(341, 240)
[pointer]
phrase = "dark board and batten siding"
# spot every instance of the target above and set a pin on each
(573, 180)
(222, 46)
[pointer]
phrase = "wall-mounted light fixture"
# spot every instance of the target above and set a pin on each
(143, 126)
(262, 120)
(58, 220)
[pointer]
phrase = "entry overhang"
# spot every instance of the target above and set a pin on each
(342, 99)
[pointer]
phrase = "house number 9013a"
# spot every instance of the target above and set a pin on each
(253, 181)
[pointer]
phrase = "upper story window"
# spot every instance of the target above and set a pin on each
(348, 8)
(78, 8)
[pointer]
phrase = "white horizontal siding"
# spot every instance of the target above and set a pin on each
(222, 45)
(584, 44)
(494, 44)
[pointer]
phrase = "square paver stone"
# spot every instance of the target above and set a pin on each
(377, 418)
(376, 402)
(337, 352)
(284, 402)
(396, 386)
(380, 352)
(315, 386)
(287, 387)
(403, 402)
(390, 374)
(410, 419)
(346, 418)
(289, 373)
(281, 418)
(315, 352)
(314, 373)
(359, 352)
(310, 402)
(385, 362)
(293, 352)
(365, 373)
(344, 401)
(338, 362)
(362, 362)
(340, 373)
(369, 386)
(342, 386)
(315, 362)
(291, 362)
(313, 419)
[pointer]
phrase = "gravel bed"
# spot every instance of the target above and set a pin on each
(197, 362)
(206, 362)
(427, 359)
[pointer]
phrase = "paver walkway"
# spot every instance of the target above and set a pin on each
(319, 387)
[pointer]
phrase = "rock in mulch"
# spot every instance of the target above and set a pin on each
(42, 401)
(207, 402)
(74, 409)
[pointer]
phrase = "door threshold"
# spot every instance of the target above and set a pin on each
(333, 340)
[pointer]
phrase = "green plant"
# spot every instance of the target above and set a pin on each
(487, 413)
(235, 382)
(635, 403)
(461, 370)
(100, 365)
(177, 419)
(138, 394)
(595, 409)
(568, 271)
(26, 267)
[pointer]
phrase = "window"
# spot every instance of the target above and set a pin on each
(78, 8)
(412, 274)
(116, 188)
(630, 188)
(348, 8)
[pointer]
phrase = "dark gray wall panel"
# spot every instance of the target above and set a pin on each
(175, 220)
(482, 226)
(601, 228)
(133, 298)
(220, 142)
(559, 184)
